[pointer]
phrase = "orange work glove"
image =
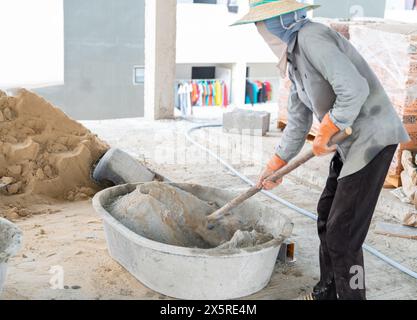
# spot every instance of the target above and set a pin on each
(327, 130)
(274, 165)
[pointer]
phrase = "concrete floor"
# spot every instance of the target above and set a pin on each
(163, 147)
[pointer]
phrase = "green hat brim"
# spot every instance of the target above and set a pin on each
(248, 19)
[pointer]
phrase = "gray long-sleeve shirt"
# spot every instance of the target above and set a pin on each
(329, 75)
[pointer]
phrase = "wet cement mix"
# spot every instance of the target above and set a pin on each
(170, 215)
(44, 154)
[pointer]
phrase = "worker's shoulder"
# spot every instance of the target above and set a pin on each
(314, 32)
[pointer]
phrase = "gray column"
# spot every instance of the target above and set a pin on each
(160, 58)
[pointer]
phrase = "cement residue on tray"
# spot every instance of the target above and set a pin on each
(169, 215)
(246, 239)
(43, 151)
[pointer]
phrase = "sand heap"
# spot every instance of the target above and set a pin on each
(43, 151)
(167, 214)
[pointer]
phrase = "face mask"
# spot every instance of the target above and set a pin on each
(286, 26)
(278, 47)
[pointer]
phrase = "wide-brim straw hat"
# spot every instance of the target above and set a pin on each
(261, 10)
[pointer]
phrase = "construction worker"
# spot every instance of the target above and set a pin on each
(333, 82)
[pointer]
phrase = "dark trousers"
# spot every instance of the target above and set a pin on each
(345, 211)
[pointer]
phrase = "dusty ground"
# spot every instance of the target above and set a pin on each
(73, 238)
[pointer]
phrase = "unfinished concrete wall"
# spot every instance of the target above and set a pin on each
(104, 40)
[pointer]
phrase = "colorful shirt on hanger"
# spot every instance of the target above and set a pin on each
(218, 93)
(201, 93)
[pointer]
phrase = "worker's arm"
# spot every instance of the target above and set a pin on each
(300, 120)
(350, 88)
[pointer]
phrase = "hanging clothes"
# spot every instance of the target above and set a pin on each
(184, 101)
(255, 92)
(249, 93)
(218, 93)
(195, 94)
(207, 103)
(268, 87)
(188, 90)
(258, 92)
(201, 93)
(225, 96)
(211, 94)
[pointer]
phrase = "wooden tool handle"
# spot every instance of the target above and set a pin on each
(337, 139)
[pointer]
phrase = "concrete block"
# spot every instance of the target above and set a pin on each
(246, 122)
(119, 167)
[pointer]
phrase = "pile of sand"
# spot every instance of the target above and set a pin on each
(43, 152)
(166, 214)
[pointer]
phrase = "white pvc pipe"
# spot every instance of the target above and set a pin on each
(304, 212)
